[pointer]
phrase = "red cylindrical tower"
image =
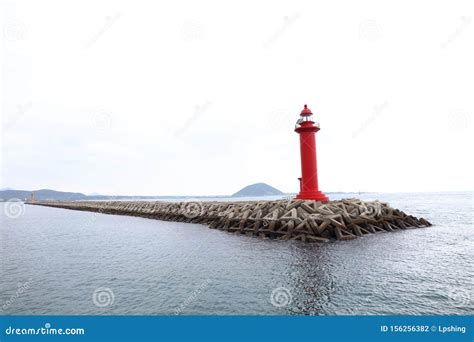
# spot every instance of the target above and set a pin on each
(307, 129)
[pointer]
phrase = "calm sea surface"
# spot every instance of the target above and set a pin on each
(57, 261)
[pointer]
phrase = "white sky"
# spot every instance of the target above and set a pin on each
(201, 97)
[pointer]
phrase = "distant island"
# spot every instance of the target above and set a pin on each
(258, 189)
(42, 194)
(254, 190)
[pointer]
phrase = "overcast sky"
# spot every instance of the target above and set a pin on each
(201, 97)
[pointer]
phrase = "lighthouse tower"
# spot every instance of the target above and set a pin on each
(307, 129)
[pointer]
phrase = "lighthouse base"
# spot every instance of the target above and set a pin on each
(312, 195)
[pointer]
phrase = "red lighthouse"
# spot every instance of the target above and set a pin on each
(307, 129)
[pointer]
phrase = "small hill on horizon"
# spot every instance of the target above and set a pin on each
(43, 194)
(253, 190)
(258, 189)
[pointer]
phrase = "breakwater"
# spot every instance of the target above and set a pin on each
(308, 221)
